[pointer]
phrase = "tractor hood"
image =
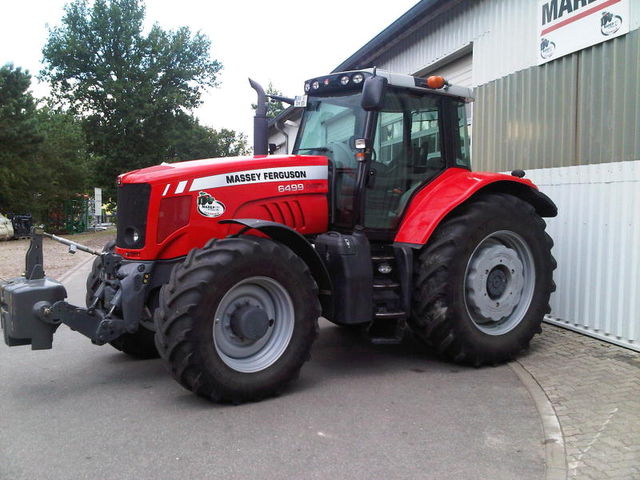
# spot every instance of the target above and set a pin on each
(192, 169)
(166, 210)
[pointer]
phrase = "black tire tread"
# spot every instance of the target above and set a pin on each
(175, 320)
(432, 317)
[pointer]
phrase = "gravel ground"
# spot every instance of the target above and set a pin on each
(57, 260)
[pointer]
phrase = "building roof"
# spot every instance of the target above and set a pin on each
(283, 115)
(418, 14)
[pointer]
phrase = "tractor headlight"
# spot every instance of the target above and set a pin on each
(131, 237)
(357, 78)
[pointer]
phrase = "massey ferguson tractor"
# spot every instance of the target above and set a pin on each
(222, 267)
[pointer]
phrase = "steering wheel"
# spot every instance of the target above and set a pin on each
(342, 155)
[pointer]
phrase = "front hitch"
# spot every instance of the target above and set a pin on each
(33, 306)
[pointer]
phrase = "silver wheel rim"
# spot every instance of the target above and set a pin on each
(499, 282)
(249, 356)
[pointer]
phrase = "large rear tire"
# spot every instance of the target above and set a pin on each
(237, 319)
(139, 344)
(483, 281)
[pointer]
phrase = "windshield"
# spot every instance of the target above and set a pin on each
(329, 126)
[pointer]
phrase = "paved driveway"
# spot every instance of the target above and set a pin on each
(358, 411)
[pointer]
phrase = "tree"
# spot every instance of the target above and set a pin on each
(229, 142)
(63, 161)
(19, 137)
(193, 140)
(132, 89)
(43, 157)
(274, 107)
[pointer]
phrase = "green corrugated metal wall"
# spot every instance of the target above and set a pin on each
(581, 109)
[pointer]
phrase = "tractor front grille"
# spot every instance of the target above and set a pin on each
(133, 205)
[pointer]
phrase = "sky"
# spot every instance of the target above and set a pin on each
(282, 41)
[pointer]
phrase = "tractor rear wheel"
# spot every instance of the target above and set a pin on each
(237, 319)
(139, 344)
(483, 281)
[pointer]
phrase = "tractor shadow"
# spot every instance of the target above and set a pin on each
(338, 354)
(341, 353)
(352, 349)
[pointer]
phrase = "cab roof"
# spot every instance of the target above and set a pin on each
(332, 83)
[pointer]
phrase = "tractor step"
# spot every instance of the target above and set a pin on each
(387, 330)
(384, 286)
(382, 258)
(389, 315)
(385, 340)
(389, 318)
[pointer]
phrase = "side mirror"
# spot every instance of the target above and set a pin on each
(373, 92)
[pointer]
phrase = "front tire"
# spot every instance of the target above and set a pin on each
(237, 319)
(483, 281)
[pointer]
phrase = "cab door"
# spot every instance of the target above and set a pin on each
(407, 153)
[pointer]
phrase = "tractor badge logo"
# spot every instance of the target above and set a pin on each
(610, 23)
(547, 47)
(209, 206)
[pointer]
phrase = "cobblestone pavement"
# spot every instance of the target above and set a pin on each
(595, 390)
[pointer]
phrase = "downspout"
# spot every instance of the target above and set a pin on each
(280, 127)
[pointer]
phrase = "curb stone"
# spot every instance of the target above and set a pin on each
(554, 448)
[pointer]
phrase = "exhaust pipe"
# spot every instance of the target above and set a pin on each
(260, 134)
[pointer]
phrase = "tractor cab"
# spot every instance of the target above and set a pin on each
(386, 136)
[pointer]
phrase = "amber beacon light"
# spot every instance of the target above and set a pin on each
(435, 81)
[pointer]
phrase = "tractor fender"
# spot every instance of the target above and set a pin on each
(430, 205)
(299, 245)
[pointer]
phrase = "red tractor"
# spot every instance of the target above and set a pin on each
(376, 221)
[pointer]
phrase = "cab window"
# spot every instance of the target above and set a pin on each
(406, 153)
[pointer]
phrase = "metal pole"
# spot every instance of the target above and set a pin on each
(70, 243)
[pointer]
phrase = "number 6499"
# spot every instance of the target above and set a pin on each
(292, 187)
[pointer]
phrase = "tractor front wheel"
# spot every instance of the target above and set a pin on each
(237, 319)
(483, 281)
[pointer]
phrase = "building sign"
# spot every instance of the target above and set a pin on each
(566, 26)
